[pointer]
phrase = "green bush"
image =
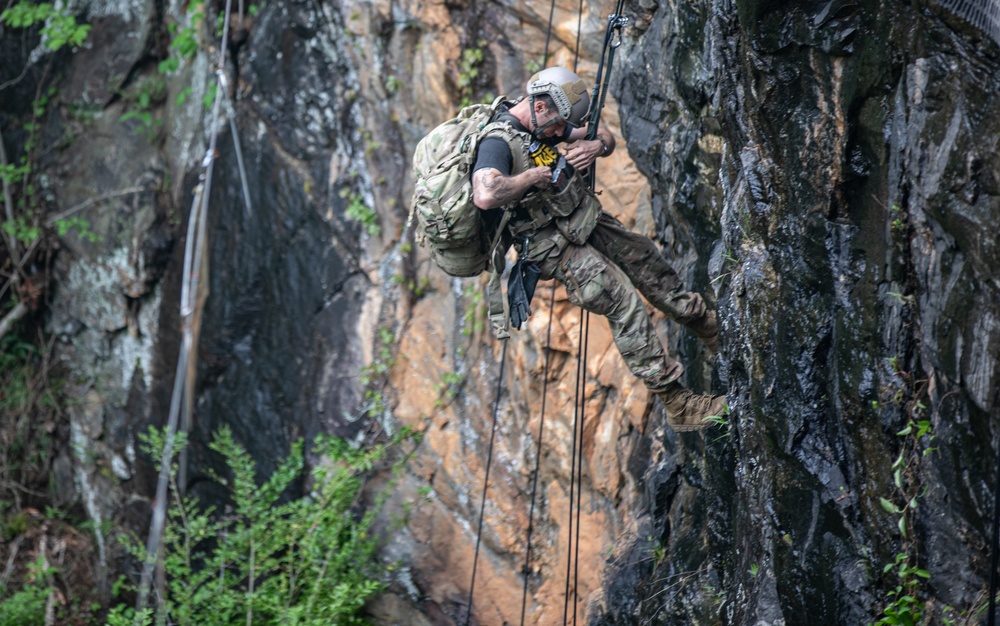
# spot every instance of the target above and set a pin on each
(31, 400)
(59, 26)
(308, 561)
(26, 606)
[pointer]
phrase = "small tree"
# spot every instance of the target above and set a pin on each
(308, 561)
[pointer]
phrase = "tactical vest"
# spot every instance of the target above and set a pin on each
(574, 210)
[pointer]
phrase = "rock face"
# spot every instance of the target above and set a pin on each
(854, 284)
(822, 170)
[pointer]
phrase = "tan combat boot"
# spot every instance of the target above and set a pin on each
(688, 411)
(706, 328)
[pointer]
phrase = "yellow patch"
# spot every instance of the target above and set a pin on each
(542, 154)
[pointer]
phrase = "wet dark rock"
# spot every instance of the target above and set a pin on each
(274, 259)
(861, 298)
(116, 44)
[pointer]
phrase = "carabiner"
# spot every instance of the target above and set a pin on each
(618, 22)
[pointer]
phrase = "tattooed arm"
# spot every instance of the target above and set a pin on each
(491, 189)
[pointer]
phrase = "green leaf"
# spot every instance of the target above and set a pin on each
(899, 460)
(168, 65)
(209, 98)
(183, 95)
(80, 34)
(24, 14)
(902, 527)
(888, 506)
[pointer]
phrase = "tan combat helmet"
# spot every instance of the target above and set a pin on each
(566, 89)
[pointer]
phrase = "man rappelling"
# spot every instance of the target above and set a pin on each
(561, 232)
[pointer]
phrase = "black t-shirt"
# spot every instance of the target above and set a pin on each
(495, 153)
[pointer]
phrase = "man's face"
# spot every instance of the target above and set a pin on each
(543, 115)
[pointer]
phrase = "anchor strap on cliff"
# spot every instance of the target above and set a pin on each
(194, 293)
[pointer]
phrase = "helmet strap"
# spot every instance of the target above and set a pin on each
(536, 129)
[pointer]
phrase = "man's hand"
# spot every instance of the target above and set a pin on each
(541, 176)
(491, 189)
(582, 153)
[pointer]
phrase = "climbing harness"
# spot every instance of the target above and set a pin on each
(194, 293)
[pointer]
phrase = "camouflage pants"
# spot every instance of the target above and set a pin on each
(648, 270)
(602, 276)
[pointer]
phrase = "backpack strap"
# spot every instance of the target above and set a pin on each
(494, 293)
(517, 141)
(494, 298)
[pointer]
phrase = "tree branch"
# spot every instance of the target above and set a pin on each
(11, 318)
(86, 203)
(8, 202)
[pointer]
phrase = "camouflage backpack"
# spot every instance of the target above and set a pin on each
(449, 224)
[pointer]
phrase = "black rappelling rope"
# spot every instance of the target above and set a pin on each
(576, 456)
(548, 343)
(572, 474)
(548, 34)
(615, 23)
(545, 384)
(538, 456)
(579, 480)
(486, 479)
(597, 103)
(577, 407)
(579, 29)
